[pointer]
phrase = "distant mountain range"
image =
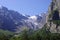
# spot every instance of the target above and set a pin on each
(13, 21)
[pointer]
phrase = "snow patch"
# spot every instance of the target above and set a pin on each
(36, 23)
(23, 14)
(33, 17)
(40, 15)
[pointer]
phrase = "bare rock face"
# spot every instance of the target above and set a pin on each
(53, 17)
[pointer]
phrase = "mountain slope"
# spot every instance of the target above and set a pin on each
(13, 21)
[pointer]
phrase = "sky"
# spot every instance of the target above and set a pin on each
(28, 7)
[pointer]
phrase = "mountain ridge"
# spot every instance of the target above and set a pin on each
(12, 20)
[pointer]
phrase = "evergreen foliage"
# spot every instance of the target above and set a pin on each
(41, 34)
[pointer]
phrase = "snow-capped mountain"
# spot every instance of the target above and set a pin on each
(13, 21)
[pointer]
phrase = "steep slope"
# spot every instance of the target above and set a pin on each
(53, 18)
(14, 21)
(9, 19)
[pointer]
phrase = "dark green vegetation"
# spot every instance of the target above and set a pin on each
(5, 35)
(41, 34)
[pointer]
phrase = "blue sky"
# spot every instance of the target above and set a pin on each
(29, 7)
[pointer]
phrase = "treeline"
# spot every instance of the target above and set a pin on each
(5, 35)
(41, 34)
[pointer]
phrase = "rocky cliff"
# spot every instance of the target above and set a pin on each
(53, 18)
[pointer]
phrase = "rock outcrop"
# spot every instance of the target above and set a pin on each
(53, 18)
